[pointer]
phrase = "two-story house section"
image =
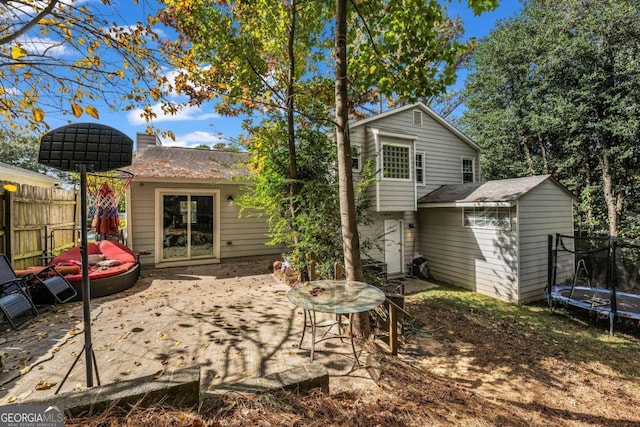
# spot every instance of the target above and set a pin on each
(490, 237)
(414, 151)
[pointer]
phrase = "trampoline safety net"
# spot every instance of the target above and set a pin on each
(599, 274)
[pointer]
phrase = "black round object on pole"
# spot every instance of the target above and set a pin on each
(99, 148)
(82, 148)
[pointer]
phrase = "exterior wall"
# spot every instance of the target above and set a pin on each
(482, 260)
(372, 236)
(547, 209)
(443, 150)
(245, 236)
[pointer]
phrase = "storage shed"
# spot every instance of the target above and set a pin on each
(491, 237)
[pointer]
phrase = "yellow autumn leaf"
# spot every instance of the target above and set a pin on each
(46, 21)
(38, 114)
(92, 111)
(77, 110)
(17, 52)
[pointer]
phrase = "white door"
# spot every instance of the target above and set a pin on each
(393, 245)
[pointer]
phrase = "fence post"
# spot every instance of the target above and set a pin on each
(8, 225)
(393, 328)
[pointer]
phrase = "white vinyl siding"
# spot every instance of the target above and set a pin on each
(482, 260)
(394, 194)
(246, 235)
(443, 150)
(545, 210)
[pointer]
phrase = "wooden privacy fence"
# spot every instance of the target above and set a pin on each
(32, 218)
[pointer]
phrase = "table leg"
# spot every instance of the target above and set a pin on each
(353, 347)
(313, 332)
(304, 327)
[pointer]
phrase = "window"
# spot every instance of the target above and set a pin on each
(420, 177)
(468, 170)
(396, 162)
(356, 157)
(490, 217)
(417, 118)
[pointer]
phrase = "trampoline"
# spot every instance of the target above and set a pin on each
(595, 274)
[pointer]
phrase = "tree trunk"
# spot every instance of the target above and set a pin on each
(350, 238)
(609, 195)
(543, 154)
(293, 167)
(528, 155)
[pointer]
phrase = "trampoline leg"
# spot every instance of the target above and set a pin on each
(611, 316)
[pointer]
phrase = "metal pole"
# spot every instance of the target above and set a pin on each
(86, 297)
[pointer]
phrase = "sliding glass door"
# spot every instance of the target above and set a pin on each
(188, 226)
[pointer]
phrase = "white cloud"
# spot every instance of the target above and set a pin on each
(193, 139)
(185, 113)
(44, 45)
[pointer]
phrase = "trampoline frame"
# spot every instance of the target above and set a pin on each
(603, 301)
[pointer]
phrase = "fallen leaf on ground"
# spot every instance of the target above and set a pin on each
(43, 385)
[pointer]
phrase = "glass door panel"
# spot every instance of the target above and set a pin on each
(175, 227)
(188, 229)
(202, 226)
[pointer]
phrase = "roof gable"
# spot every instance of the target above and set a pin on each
(498, 192)
(426, 110)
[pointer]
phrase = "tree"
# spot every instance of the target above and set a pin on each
(556, 90)
(260, 56)
(64, 58)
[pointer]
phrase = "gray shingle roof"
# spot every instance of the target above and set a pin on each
(188, 163)
(498, 191)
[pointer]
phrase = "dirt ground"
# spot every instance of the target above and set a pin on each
(468, 361)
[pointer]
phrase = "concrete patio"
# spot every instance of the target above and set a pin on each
(233, 320)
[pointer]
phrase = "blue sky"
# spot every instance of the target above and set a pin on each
(203, 126)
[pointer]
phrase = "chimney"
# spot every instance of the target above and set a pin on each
(144, 140)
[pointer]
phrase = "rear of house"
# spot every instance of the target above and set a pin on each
(413, 151)
(489, 237)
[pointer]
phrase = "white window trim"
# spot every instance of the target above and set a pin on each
(412, 163)
(158, 203)
(473, 167)
(424, 168)
(479, 208)
(358, 146)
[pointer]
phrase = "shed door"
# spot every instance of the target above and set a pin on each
(393, 245)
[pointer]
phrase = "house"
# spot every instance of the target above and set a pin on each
(492, 237)
(180, 206)
(489, 237)
(10, 174)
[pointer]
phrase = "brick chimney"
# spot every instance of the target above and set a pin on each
(144, 140)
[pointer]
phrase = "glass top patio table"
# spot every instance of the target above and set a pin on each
(336, 296)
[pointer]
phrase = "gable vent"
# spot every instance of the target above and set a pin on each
(417, 118)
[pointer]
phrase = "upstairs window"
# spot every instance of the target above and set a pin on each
(396, 162)
(356, 157)
(417, 118)
(468, 170)
(492, 218)
(420, 178)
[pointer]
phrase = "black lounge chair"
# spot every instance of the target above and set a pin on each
(48, 278)
(15, 303)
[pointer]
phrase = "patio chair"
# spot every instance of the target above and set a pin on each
(16, 304)
(47, 278)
